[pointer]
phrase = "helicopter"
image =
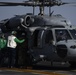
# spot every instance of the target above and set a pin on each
(48, 37)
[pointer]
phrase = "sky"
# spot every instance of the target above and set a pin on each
(67, 11)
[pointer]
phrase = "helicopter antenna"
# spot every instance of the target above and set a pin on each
(51, 13)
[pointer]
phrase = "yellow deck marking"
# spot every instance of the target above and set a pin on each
(31, 71)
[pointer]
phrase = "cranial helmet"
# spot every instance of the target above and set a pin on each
(14, 32)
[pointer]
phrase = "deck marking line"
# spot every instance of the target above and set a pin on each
(31, 71)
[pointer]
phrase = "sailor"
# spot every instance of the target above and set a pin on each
(12, 44)
(2, 48)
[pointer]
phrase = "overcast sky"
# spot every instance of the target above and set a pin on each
(68, 11)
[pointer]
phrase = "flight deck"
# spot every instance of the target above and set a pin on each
(56, 69)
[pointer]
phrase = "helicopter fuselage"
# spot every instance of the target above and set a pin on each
(41, 34)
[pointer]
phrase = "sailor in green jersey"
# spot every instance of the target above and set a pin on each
(3, 43)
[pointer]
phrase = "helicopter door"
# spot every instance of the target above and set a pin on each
(37, 38)
(47, 42)
(43, 47)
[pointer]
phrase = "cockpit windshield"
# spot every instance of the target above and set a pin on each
(62, 34)
(73, 32)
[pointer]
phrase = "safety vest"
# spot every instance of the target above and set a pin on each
(11, 41)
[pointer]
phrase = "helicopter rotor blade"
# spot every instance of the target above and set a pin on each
(35, 3)
(26, 3)
(70, 3)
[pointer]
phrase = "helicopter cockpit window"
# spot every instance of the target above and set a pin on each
(73, 33)
(62, 35)
(48, 37)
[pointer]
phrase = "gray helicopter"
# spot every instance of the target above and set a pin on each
(48, 37)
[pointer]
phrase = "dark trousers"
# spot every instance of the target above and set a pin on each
(12, 57)
(2, 55)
